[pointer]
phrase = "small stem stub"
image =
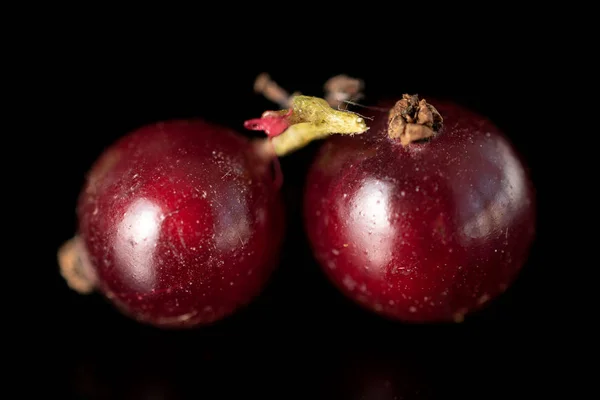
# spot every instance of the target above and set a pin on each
(342, 89)
(339, 90)
(412, 119)
(307, 119)
(75, 267)
(271, 90)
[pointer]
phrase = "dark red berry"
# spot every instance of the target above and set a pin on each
(180, 224)
(422, 218)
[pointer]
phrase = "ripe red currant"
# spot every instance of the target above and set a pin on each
(424, 218)
(180, 224)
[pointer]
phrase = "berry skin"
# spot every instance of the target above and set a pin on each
(417, 220)
(180, 223)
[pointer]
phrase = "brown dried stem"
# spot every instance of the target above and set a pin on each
(342, 89)
(74, 266)
(339, 90)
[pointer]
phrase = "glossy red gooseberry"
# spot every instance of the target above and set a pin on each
(179, 224)
(424, 218)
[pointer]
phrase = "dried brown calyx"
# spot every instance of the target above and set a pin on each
(412, 119)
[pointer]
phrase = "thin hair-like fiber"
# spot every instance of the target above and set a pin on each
(367, 107)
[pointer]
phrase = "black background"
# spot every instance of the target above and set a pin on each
(300, 338)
